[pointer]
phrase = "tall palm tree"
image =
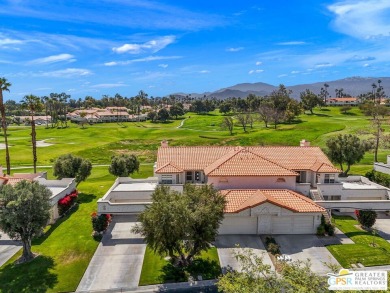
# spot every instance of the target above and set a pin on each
(33, 105)
(4, 86)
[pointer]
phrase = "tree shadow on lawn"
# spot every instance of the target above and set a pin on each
(86, 197)
(206, 268)
(34, 276)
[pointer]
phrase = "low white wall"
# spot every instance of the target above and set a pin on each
(383, 168)
(303, 188)
(121, 208)
(330, 189)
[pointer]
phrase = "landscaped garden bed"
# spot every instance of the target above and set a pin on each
(157, 269)
(363, 251)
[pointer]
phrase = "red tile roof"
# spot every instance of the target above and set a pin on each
(244, 162)
(169, 168)
(242, 199)
(247, 161)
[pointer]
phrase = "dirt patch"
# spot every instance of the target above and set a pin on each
(359, 227)
(71, 257)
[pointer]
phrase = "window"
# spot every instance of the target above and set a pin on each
(166, 179)
(280, 180)
(329, 178)
(301, 178)
(189, 176)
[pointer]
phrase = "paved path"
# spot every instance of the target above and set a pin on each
(117, 262)
(338, 238)
(227, 244)
(303, 247)
(8, 248)
(181, 123)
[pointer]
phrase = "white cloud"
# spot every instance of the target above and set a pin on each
(292, 43)
(366, 65)
(255, 71)
(258, 63)
(146, 59)
(322, 65)
(362, 19)
(204, 71)
(8, 41)
(235, 49)
(66, 73)
(152, 46)
(108, 85)
(282, 75)
(163, 65)
(53, 59)
(295, 72)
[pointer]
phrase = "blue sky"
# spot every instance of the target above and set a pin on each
(98, 47)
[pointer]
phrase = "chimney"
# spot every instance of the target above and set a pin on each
(304, 143)
(164, 144)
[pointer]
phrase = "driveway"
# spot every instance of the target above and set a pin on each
(227, 244)
(117, 262)
(8, 248)
(382, 224)
(303, 247)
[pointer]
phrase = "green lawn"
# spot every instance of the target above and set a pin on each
(157, 270)
(67, 247)
(362, 251)
(100, 141)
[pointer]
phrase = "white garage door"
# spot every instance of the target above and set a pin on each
(303, 225)
(282, 225)
(238, 225)
(293, 225)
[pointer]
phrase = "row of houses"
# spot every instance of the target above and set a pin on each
(351, 101)
(269, 190)
(109, 114)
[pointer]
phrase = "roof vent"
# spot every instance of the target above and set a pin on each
(304, 143)
(164, 144)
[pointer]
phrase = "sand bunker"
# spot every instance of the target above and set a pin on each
(42, 144)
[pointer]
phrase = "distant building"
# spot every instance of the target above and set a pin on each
(343, 101)
(109, 114)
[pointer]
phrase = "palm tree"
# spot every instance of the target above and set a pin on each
(4, 86)
(33, 105)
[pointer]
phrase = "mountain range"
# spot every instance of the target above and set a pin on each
(353, 86)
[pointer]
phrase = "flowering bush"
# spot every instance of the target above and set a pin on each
(100, 222)
(65, 203)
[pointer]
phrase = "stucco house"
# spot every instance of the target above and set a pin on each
(58, 188)
(269, 190)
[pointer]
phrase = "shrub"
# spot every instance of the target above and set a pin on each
(321, 230)
(269, 239)
(329, 229)
(100, 222)
(65, 203)
(366, 218)
(273, 248)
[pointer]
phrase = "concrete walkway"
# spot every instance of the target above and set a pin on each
(227, 244)
(117, 262)
(338, 238)
(8, 248)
